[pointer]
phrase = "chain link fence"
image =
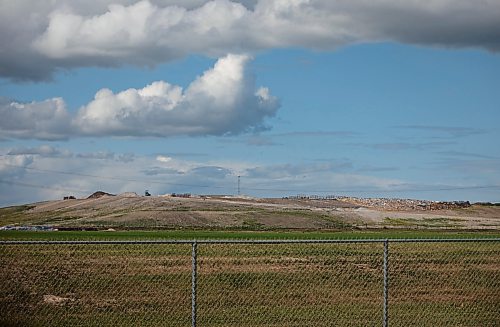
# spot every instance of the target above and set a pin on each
(250, 283)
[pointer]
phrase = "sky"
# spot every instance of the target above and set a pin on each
(379, 98)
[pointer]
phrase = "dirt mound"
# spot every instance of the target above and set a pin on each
(99, 194)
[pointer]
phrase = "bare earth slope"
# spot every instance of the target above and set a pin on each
(239, 213)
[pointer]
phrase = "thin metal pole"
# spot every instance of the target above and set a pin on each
(386, 283)
(193, 283)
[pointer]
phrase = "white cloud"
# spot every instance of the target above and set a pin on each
(46, 120)
(41, 36)
(12, 172)
(13, 166)
(163, 159)
(221, 101)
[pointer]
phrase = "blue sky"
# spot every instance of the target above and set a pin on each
(376, 116)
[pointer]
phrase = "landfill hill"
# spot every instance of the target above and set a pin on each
(131, 211)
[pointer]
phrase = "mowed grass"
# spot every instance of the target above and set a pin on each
(431, 284)
(238, 234)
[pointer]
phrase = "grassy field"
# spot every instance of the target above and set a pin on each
(431, 284)
(238, 234)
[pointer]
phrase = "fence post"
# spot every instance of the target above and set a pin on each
(386, 284)
(193, 283)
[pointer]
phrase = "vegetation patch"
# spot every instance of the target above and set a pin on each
(200, 234)
(438, 222)
(252, 224)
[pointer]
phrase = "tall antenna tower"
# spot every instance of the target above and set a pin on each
(239, 184)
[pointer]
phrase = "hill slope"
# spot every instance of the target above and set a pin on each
(131, 212)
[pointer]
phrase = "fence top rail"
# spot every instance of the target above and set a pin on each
(235, 241)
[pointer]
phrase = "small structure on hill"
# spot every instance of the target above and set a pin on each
(70, 197)
(146, 193)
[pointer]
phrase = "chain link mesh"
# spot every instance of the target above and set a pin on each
(290, 284)
(444, 284)
(95, 285)
(250, 284)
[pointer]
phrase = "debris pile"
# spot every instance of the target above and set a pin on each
(404, 204)
(394, 204)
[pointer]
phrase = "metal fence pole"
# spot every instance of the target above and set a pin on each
(386, 284)
(193, 283)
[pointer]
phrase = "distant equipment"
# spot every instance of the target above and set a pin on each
(146, 193)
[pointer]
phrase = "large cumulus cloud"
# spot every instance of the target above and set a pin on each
(41, 36)
(222, 101)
